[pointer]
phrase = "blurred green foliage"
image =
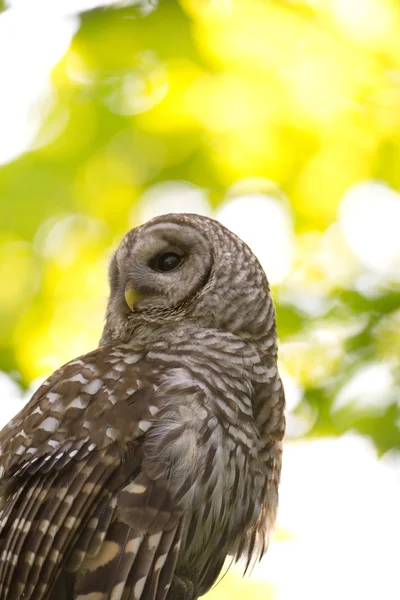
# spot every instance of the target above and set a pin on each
(303, 94)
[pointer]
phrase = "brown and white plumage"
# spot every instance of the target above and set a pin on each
(136, 469)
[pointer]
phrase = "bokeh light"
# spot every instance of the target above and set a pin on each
(370, 217)
(26, 92)
(280, 119)
(171, 196)
(270, 236)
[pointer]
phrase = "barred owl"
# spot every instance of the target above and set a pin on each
(136, 469)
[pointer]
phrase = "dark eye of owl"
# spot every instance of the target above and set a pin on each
(168, 261)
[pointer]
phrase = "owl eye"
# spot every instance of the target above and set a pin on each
(168, 261)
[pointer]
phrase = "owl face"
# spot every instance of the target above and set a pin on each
(180, 266)
(160, 267)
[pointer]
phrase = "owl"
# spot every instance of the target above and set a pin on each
(136, 469)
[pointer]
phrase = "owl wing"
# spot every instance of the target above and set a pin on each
(76, 498)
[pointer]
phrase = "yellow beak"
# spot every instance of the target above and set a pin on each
(130, 296)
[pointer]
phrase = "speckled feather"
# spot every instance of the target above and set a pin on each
(136, 469)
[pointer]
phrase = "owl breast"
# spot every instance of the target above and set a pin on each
(209, 436)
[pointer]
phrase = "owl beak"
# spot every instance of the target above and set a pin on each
(131, 296)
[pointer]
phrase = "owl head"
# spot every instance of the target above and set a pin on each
(185, 266)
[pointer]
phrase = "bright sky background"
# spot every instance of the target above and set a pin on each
(339, 529)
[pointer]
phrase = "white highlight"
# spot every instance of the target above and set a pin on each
(160, 562)
(78, 377)
(78, 403)
(135, 488)
(145, 425)
(25, 85)
(71, 7)
(12, 398)
(93, 387)
(138, 589)
(372, 386)
(60, 8)
(132, 358)
(370, 221)
(133, 545)
(264, 223)
(343, 523)
(50, 424)
(171, 197)
(112, 433)
(77, 362)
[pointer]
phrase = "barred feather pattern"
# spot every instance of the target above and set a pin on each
(136, 469)
(121, 449)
